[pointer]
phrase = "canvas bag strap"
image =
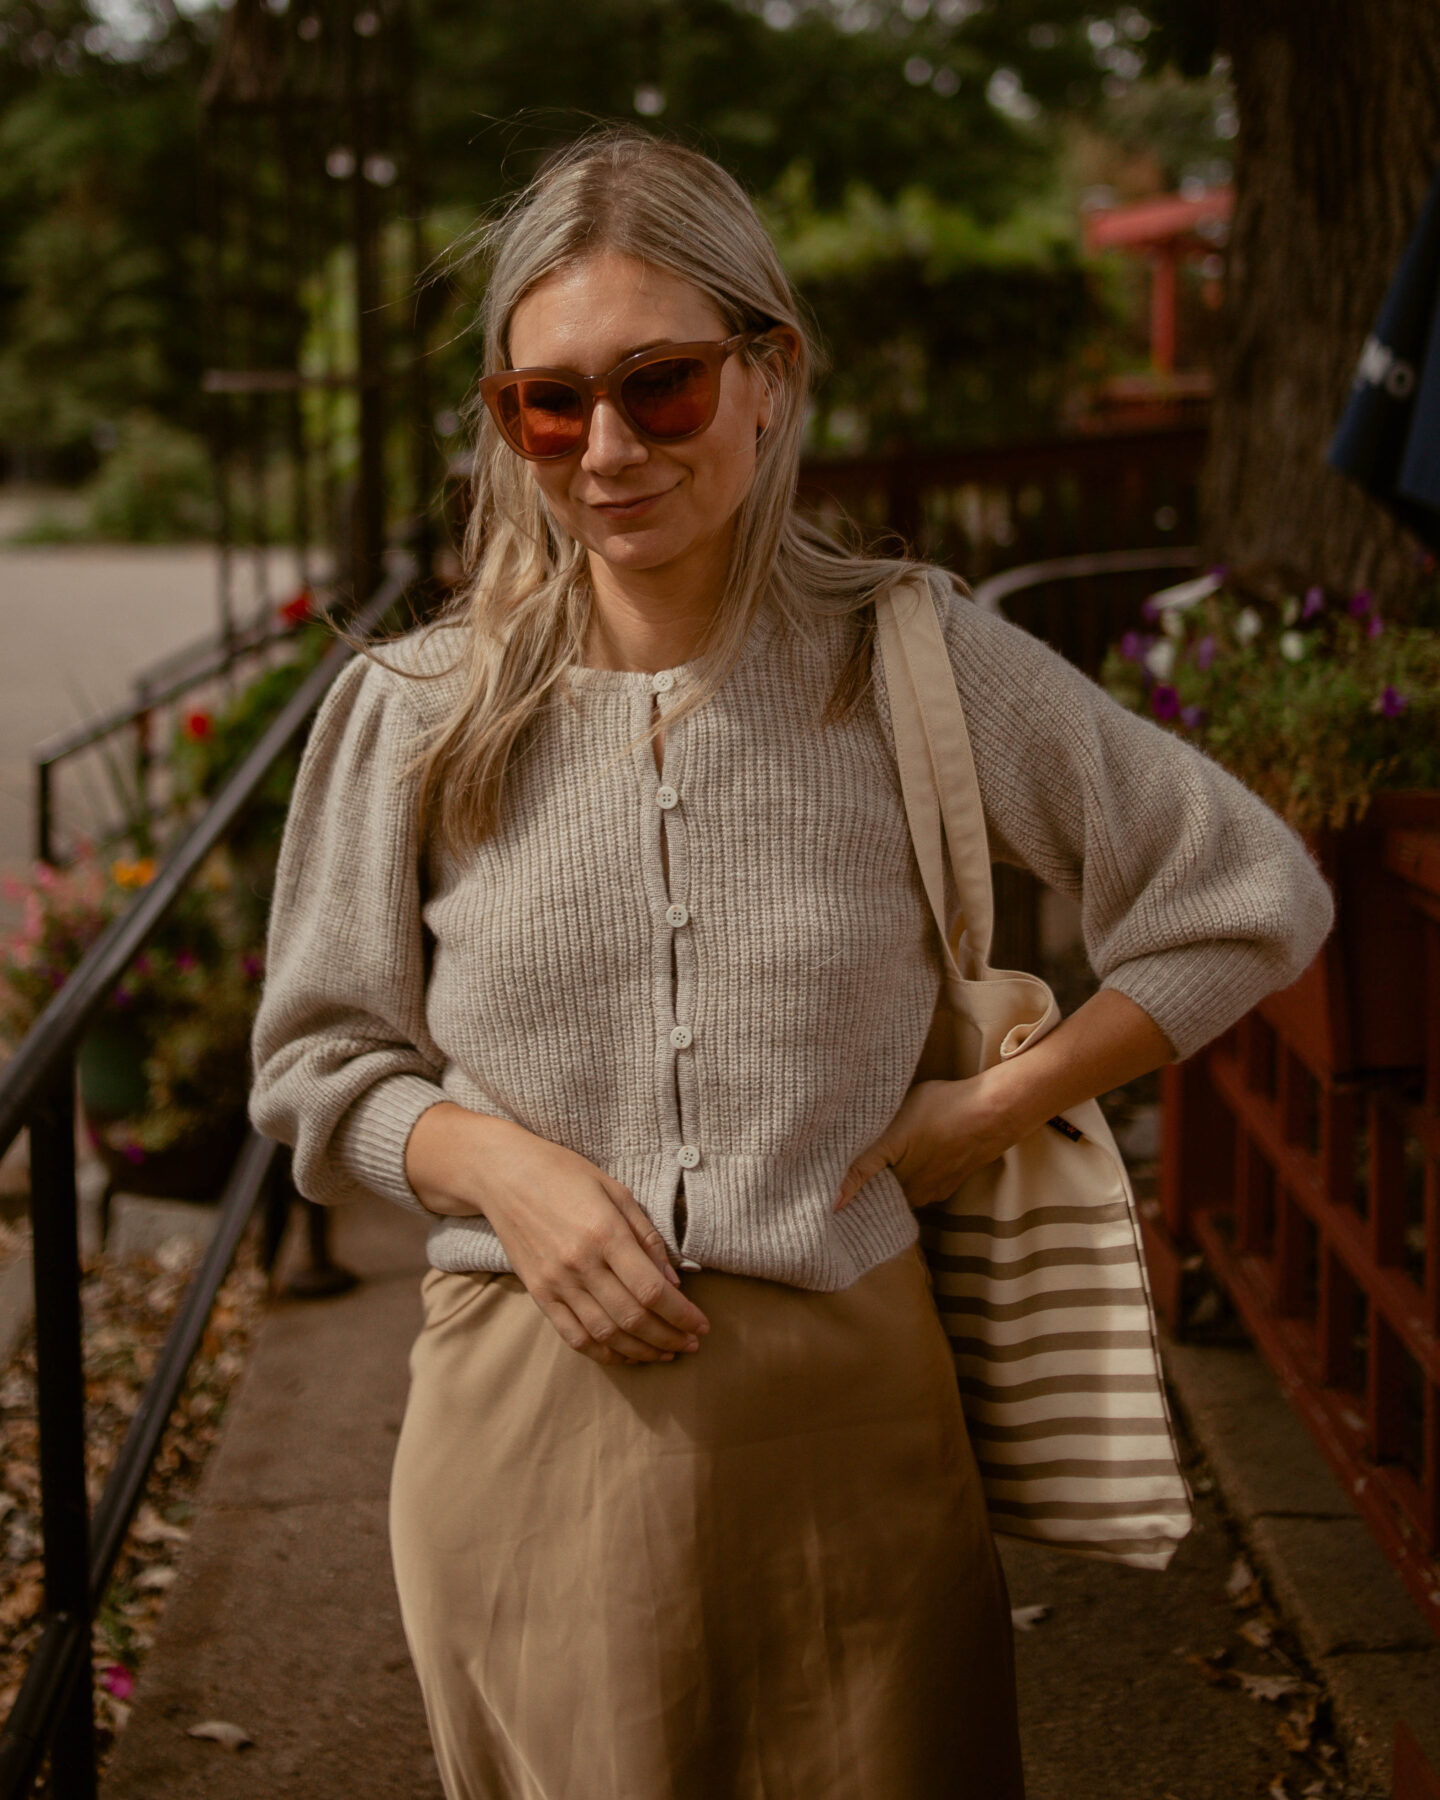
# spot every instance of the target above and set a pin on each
(937, 768)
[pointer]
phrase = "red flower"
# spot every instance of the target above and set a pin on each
(297, 610)
(198, 727)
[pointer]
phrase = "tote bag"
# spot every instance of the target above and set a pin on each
(1035, 1260)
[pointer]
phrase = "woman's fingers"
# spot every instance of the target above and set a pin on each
(630, 1315)
(628, 1259)
(569, 1328)
(868, 1163)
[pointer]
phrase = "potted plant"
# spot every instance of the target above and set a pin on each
(1330, 711)
(162, 1071)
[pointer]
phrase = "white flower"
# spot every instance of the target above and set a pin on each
(1292, 646)
(1172, 624)
(1248, 626)
(1160, 659)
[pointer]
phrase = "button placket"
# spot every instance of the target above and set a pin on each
(672, 802)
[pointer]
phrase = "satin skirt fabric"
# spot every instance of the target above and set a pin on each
(762, 1572)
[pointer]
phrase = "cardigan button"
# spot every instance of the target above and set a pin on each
(688, 1157)
(663, 682)
(681, 1037)
(666, 797)
(677, 915)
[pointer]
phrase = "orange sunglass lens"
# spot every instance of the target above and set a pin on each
(543, 418)
(673, 398)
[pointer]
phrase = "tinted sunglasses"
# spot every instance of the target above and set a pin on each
(664, 395)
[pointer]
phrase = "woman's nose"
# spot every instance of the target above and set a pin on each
(613, 445)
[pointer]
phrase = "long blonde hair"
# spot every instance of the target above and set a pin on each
(525, 614)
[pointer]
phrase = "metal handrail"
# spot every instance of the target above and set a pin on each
(990, 592)
(53, 1709)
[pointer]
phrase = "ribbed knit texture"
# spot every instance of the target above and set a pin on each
(538, 979)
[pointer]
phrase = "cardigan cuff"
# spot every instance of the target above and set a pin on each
(371, 1139)
(1196, 994)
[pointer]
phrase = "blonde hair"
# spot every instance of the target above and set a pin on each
(526, 611)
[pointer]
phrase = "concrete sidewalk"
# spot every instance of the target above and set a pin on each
(284, 1621)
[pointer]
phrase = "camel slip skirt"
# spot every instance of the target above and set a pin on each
(761, 1572)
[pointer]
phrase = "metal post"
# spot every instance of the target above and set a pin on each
(60, 1385)
(44, 823)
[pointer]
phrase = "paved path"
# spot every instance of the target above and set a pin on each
(284, 1619)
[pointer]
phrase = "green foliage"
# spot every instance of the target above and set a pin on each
(1316, 704)
(154, 486)
(940, 328)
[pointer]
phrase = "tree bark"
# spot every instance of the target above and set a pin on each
(1339, 104)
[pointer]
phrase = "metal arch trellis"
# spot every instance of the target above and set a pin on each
(314, 226)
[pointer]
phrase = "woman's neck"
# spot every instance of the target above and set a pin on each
(649, 619)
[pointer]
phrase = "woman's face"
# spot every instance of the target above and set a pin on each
(639, 506)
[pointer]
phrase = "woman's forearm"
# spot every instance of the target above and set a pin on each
(1105, 1043)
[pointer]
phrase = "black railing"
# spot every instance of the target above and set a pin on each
(207, 659)
(53, 1711)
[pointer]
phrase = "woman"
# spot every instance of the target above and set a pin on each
(598, 939)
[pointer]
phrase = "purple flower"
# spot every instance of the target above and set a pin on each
(1360, 604)
(1314, 603)
(1192, 716)
(1392, 704)
(1133, 646)
(186, 960)
(132, 1153)
(251, 966)
(1376, 626)
(1204, 654)
(1164, 701)
(1150, 609)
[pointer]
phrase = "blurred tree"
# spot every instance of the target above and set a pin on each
(951, 113)
(1339, 139)
(99, 309)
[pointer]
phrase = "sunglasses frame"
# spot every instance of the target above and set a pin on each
(591, 388)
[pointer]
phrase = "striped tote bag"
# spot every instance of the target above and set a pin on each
(1035, 1260)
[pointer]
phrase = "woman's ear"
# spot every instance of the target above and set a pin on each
(786, 341)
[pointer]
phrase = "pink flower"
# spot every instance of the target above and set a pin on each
(1376, 626)
(186, 960)
(1314, 603)
(1164, 701)
(1133, 646)
(118, 1680)
(1192, 716)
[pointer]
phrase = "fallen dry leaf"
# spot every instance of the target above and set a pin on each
(1026, 1618)
(1258, 1632)
(1269, 1687)
(221, 1731)
(150, 1528)
(155, 1579)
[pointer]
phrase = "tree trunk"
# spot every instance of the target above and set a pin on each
(1339, 104)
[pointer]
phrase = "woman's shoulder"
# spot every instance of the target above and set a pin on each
(420, 675)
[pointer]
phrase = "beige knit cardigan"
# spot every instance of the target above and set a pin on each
(745, 1025)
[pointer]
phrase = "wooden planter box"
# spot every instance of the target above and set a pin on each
(1359, 1007)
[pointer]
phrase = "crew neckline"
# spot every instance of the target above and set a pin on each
(582, 676)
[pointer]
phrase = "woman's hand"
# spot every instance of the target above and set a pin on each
(943, 1132)
(946, 1130)
(587, 1254)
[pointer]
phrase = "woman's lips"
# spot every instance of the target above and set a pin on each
(627, 509)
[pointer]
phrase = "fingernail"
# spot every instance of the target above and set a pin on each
(671, 1276)
(692, 1343)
